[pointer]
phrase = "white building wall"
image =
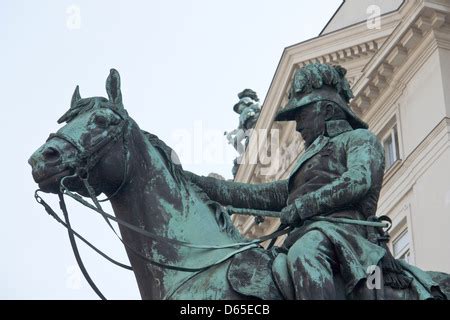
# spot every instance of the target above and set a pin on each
(423, 104)
(354, 11)
(430, 215)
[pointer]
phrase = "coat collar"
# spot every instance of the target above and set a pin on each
(334, 128)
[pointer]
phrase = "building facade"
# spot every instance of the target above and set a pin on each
(397, 56)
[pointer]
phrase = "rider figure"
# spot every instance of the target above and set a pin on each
(339, 175)
(248, 109)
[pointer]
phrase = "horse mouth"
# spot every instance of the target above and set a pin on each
(51, 183)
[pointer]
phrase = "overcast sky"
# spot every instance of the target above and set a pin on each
(182, 64)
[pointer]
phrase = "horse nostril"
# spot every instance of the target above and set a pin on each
(51, 154)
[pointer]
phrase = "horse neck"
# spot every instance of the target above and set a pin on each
(153, 199)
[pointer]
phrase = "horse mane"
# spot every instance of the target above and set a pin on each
(173, 164)
(169, 156)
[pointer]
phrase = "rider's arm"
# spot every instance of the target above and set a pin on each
(264, 196)
(365, 167)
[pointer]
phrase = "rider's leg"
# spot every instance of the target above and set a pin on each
(311, 261)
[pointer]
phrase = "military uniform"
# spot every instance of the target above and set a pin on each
(339, 176)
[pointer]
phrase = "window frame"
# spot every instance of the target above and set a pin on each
(401, 223)
(391, 132)
(406, 250)
(388, 131)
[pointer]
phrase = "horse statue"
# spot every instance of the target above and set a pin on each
(181, 245)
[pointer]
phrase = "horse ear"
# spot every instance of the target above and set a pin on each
(113, 87)
(73, 106)
(75, 97)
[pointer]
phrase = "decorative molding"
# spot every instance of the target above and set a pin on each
(338, 57)
(411, 38)
(390, 172)
(398, 48)
(399, 81)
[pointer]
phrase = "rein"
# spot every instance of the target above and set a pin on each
(381, 222)
(243, 246)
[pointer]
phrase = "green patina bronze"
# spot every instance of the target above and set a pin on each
(334, 183)
(249, 110)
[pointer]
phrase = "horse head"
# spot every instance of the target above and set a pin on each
(91, 145)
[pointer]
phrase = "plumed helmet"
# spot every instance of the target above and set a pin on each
(247, 97)
(320, 82)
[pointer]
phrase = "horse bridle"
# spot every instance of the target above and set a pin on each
(86, 159)
(83, 164)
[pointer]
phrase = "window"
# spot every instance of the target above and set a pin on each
(401, 246)
(390, 145)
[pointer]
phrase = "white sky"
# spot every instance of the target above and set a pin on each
(182, 64)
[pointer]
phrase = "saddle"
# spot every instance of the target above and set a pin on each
(251, 273)
(264, 274)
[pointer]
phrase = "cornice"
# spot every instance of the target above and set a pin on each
(424, 25)
(388, 95)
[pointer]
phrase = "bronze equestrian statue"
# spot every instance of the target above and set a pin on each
(175, 225)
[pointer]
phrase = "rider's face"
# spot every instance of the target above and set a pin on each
(241, 107)
(310, 122)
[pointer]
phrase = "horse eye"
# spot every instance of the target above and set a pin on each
(114, 121)
(101, 121)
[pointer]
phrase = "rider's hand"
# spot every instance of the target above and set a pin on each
(289, 215)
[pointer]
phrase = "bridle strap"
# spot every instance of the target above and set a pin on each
(72, 233)
(157, 237)
(125, 170)
(84, 161)
(90, 157)
(53, 214)
(140, 255)
(73, 243)
(68, 139)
